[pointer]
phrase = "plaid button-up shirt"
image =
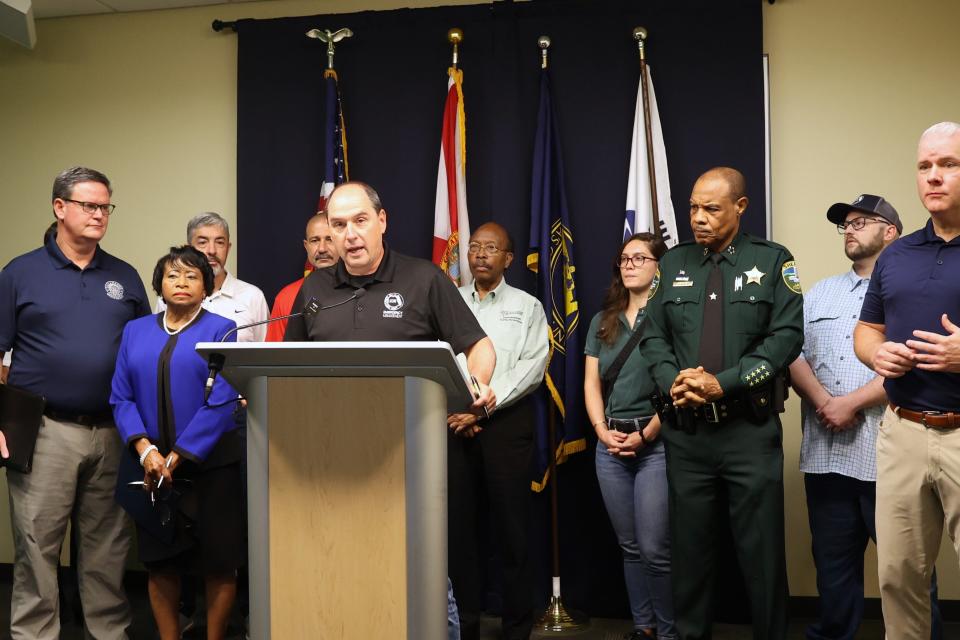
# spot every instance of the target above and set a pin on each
(830, 313)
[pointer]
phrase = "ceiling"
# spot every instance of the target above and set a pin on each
(60, 8)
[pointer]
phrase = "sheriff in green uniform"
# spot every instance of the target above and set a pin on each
(724, 324)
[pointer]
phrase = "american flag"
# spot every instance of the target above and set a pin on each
(335, 143)
(335, 169)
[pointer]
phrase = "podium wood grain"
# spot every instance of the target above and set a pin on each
(337, 508)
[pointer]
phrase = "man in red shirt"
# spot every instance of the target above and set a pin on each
(321, 253)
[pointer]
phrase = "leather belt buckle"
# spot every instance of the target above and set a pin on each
(929, 414)
(711, 413)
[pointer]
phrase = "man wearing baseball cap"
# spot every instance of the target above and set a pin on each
(843, 402)
(865, 207)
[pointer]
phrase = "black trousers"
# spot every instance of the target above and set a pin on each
(735, 467)
(492, 471)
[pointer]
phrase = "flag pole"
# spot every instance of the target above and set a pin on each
(455, 37)
(640, 35)
(555, 618)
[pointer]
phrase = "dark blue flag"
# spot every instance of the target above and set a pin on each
(551, 258)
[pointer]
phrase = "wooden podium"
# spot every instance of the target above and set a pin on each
(347, 485)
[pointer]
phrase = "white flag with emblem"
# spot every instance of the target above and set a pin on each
(639, 216)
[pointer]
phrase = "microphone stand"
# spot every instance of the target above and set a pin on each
(216, 361)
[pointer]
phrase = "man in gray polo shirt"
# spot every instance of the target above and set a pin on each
(492, 455)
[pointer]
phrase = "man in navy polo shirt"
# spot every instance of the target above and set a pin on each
(907, 335)
(62, 311)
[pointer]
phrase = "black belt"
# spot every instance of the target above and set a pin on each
(629, 425)
(720, 411)
(85, 419)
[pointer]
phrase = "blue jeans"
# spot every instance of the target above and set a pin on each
(453, 618)
(841, 511)
(635, 495)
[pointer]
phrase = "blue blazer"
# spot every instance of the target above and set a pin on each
(157, 372)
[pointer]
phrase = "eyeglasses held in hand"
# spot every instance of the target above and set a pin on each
(161, 498)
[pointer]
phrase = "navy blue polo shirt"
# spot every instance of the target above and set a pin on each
(64, 324)
(915, 281)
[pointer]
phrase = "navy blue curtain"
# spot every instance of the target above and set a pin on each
(706, 60)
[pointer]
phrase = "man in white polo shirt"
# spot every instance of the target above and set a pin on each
(232, 298)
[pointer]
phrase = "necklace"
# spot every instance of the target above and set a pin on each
(173, 332)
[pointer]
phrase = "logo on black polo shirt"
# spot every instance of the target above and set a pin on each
(114, 289)
(392, 305)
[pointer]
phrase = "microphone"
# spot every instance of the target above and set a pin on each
(310, 308)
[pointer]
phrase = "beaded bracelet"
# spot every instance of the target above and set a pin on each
(146, 452)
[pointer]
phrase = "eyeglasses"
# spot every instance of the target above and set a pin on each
(163, 500)
(857, 224)
(90, 208)
(490, 249)
(636, 261)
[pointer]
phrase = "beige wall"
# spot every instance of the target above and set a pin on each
(853, 84)
(150, 98)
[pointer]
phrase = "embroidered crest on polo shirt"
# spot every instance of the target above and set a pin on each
(114, 289)
(511, 316)
(393, 305)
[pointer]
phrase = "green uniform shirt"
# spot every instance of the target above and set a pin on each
(630, 396)
(763, 313)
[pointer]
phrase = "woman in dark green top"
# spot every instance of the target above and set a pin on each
(631, 466)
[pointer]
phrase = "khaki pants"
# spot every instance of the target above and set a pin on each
(74, 477)
(918, 491)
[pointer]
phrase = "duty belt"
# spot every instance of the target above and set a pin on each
(933, 419)
(720, 410)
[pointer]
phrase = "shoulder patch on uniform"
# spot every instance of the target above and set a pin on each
(790, 276)
(654, 285)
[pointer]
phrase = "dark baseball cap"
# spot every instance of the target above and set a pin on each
(867, 204)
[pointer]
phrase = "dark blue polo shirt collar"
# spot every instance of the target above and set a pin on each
(61, 261)
(926, 236)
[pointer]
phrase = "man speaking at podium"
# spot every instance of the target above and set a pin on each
(395, 297)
